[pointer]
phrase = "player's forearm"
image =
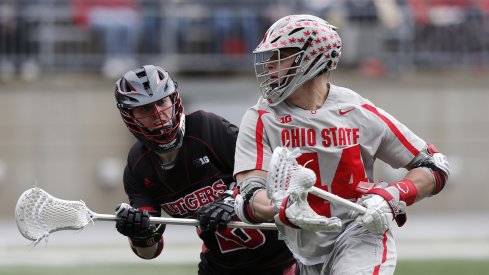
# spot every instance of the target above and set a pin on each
(146, 253)
(423, 181)
(418, 184)
(263, 206)
(427, 175)
(149, 252)
(253, 206)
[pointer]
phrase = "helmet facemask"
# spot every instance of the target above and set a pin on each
(275, 70)
(151, 108)
(158, 122)
(317, 50)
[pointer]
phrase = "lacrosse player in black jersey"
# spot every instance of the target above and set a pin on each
(183, 165)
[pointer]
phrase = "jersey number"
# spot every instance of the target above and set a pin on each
(233, 239)
(349, 172)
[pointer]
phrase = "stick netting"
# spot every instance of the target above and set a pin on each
(38, 214)
(286, 176)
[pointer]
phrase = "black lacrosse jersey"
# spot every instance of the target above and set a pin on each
(203, 170)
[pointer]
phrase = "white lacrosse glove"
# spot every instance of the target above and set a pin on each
(296, 212)
(383, 206)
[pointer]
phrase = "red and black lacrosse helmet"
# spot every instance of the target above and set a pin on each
(149, 85)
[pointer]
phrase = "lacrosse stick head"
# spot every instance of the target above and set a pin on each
(38, 214)
(286, 176)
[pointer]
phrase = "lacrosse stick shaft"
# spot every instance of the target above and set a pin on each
(333, 198)
(194, 222)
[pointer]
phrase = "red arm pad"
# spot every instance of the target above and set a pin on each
(407, 191)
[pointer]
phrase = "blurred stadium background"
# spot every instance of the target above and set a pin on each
(424, 61)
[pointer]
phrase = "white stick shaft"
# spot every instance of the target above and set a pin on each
(194, 222)
(333, 198)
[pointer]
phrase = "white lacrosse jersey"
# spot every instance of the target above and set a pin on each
(339, 142)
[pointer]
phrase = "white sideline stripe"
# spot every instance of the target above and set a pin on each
(97, 243)
(455, 236)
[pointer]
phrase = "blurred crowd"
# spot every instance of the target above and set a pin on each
(118, 34)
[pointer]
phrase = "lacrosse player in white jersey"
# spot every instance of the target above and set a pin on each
(339, 135)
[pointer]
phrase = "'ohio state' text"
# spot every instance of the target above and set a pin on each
(334, 136)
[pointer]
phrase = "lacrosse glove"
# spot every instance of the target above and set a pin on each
(218, 214)
(296, 212)
(134, 223)
(383, 206)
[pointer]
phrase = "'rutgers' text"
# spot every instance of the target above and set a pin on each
(195, 200)
(329, 137)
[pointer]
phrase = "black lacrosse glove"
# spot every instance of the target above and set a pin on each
(216, 215)
(134, 223)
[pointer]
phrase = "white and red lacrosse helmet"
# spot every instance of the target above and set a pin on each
(317, 49)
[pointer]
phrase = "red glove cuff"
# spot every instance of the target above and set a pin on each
(407, 191)
(282, 216)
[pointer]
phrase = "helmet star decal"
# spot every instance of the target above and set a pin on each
(316, 43)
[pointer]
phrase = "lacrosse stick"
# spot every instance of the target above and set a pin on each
(39, 214)
(286, 176)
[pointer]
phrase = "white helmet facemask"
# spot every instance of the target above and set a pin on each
(272, 81)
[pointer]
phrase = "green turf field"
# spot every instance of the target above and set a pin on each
(439, 267)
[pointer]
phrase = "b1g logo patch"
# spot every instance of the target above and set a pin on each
(285, 119)
(201, 161)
